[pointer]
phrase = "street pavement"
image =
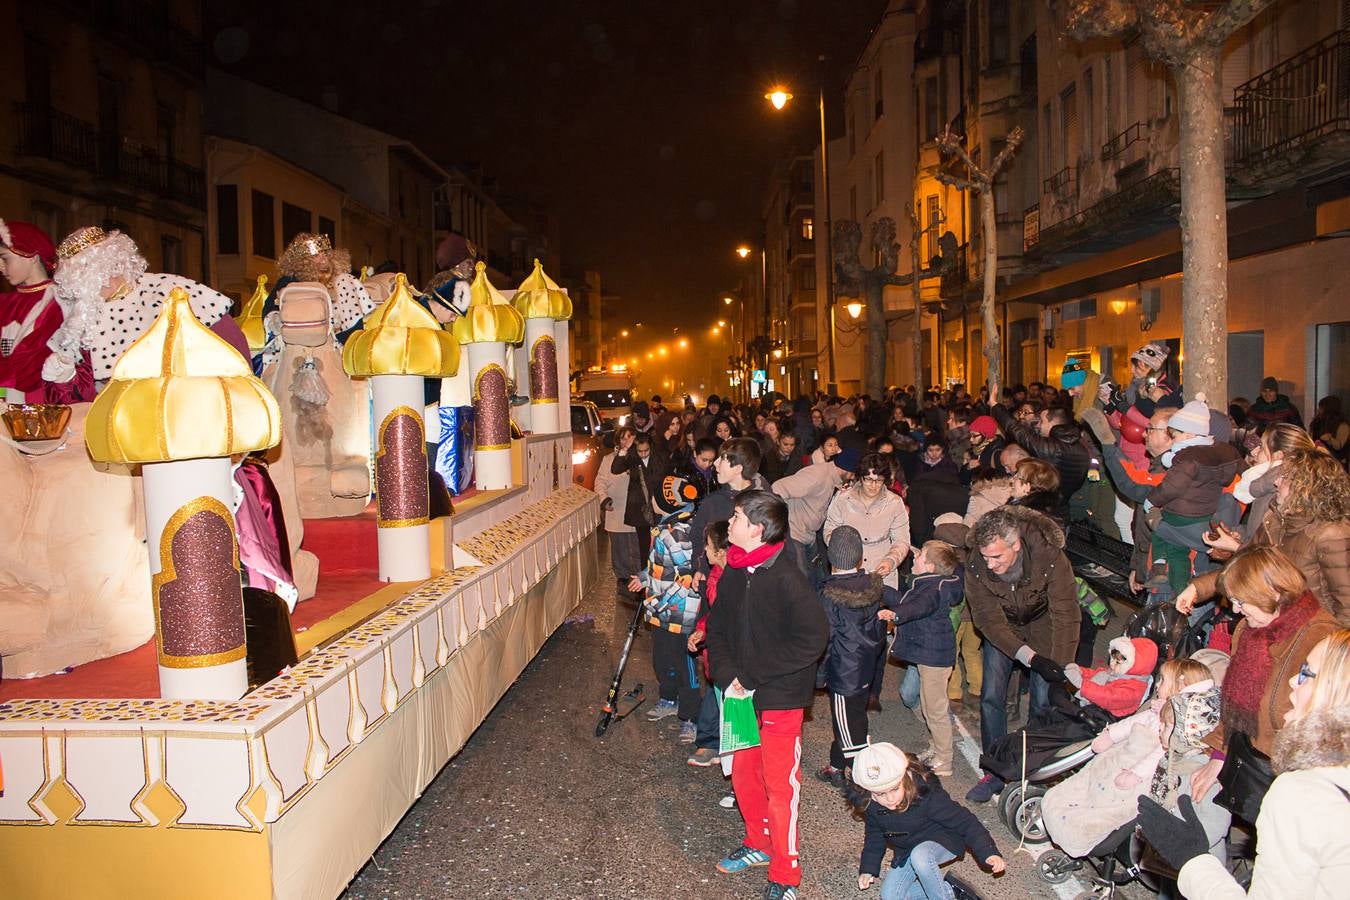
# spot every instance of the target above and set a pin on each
(536, 806)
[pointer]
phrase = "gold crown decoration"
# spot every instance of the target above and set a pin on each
(399, 337)
(250, 318)
(79, 241)
(490, 317)
(539, 297)
(181, 392)
(318, 244)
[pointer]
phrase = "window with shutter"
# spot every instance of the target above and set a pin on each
(1068, 125)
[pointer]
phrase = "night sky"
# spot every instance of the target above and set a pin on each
(640, 124)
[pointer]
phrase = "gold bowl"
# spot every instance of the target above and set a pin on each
(37, 421)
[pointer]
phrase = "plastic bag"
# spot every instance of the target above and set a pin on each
(740, 728)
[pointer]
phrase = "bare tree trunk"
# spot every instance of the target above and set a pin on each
(1204, 227)
(915, 289)
(874, 373)
(993, 354)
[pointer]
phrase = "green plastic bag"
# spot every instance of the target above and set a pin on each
(740, 728)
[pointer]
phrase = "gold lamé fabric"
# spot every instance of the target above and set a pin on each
(250, 318)
(539, 297)
(489, 316)
(401, 338)
(180, 392)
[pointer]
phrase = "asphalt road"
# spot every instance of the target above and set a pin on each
(536, 806)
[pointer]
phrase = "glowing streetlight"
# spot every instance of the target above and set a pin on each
(728, 300)
(684, 344)
(721, 323)
(623, 333)
(662, 350)
(742, 251)
(633, 361)
(854, 309)
(778, 97)
(778, 354)
(716, 329)
(650, 355)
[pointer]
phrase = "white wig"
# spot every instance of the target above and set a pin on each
(79, 281)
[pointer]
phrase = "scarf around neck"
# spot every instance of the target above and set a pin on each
(1200, 440)
(1245, 683)
(749, 559)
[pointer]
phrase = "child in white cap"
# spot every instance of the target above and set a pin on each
(909, 811)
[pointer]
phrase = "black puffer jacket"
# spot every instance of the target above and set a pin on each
(1064, 449)
(932, 816)
(851, 604)
(767, 630)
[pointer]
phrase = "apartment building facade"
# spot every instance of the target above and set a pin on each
(102, 106)
(1089, 248)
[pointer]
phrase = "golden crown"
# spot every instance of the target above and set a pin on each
(318, 244)
(80, 241)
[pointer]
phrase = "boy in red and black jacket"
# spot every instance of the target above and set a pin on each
(766, 635)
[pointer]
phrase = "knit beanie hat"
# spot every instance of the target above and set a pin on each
(847, 459)
(879, 767)
(1151, 356)
(1073, 374)
(1192, 418)
(1270, 384)
(985, 426)
(845, 550)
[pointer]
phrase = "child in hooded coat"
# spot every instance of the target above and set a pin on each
(1119, 688)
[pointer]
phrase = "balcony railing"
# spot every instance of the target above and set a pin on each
(1061, 181)
(1118, 144)
(48, 134)
(1296, 102)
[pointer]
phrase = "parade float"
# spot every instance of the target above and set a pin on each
(136, 762)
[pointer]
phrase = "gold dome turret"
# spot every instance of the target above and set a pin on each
(401, 338)
(539, 297)
(490, 317)
(181, 392)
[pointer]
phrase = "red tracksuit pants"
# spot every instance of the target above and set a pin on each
(768, 783)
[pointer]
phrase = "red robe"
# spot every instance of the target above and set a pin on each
(22, 368)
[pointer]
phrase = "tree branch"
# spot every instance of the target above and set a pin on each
(1013, 139)
(964, 184)
(949, 144)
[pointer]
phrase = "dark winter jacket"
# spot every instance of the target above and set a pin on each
(707, 480)
(938, 491)
(767, 630)
(932, 816)
(924, 634)
(775, 466)
(1046, 502)
(1265, 414)
(716, 507)
(656, 469)
(1064, 448)
(851, 604)
(1197, 479)
(1041, 609)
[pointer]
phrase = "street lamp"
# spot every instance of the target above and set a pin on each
(779, 97)
(742, 251)
(728, 300)
(854, 309)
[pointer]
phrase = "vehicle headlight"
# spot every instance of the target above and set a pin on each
(580, 456)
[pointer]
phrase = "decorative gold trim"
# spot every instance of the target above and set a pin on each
(492, 446)
(539, 340)
(478, 378)
(403, 523)
(168, 574)
(550, 401)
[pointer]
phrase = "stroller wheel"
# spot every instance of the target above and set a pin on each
(1009, 800)
(1056, 866)
(1024, 819)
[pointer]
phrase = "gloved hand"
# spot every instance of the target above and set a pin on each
(1048, 669)
(1177, 840)
(1073, 675)
(1101, 428)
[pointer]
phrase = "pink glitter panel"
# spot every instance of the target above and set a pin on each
(199, 600)
(544, 369)
(401, 469)
(491, 411)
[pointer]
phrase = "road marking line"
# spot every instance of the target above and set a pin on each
(1066, 890)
